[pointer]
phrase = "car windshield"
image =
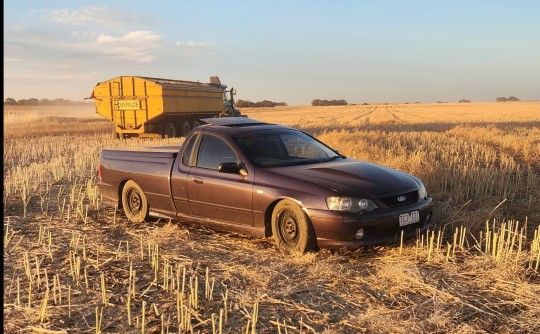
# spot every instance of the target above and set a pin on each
(285, 148)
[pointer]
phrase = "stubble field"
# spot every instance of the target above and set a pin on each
(73, 265)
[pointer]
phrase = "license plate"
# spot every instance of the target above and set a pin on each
(409, 218)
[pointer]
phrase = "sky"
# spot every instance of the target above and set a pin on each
(291, 51)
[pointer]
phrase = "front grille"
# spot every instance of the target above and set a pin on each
(393, 202)
(389, 231)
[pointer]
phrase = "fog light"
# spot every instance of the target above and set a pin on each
(359, 234)
(363, 204)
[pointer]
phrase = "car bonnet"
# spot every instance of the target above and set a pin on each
(351, 177)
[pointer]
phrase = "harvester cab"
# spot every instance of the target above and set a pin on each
(229, 107)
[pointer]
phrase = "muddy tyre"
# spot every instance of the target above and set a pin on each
(134, 202)
(291, 228)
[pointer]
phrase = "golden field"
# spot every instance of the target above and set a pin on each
(73, 265)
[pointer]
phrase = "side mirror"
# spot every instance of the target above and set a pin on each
(232, 168)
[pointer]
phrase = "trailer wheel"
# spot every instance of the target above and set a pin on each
(195, 124)
(134, 202)
(185, 128)
(168, 131)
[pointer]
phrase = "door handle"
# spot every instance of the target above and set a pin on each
(198, 180)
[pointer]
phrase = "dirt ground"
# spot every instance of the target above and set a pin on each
(75, 265)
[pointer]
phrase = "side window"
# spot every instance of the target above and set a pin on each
(213, 151)
(186, 158)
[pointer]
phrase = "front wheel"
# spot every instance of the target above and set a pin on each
(291, 228)
(134, 202)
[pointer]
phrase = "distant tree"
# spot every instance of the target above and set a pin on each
(243, 103)
(266, 104)
(319, 102)
(260, 104)
(44, 102)
(32, 102)
(509, 99)
(464, 101)
(60, 102)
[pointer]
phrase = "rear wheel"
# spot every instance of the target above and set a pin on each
(168, 131)
(195, 124)
(185, 128)
(291, 228)
(134, 202)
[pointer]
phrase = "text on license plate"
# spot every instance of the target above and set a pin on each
(409, 218)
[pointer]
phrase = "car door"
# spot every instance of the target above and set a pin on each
(180, 176)
(216, 195)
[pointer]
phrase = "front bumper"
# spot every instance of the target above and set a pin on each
(337, 229)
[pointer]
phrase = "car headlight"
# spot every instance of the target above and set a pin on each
(349, 204)
(422, 193)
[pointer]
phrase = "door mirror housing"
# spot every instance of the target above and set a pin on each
(232, 168)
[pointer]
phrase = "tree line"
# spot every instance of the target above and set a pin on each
(263, 104)
(507, 99)
(42, 102)
(319, 102)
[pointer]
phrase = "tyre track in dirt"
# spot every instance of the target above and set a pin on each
(363, 113)
(401, 111)
(389, 109)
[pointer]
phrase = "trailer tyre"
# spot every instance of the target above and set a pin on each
(168, 131)
(185, 128)
(134, 202)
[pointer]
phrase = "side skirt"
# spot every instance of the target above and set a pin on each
(223, 226)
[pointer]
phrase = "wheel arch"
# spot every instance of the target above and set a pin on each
(270, 210)
(120, 190)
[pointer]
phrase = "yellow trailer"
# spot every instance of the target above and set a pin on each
(142, 106)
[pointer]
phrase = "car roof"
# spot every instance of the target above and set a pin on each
(233, 126)
(232, 121)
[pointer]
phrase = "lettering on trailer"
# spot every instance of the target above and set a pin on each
(129, 104)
